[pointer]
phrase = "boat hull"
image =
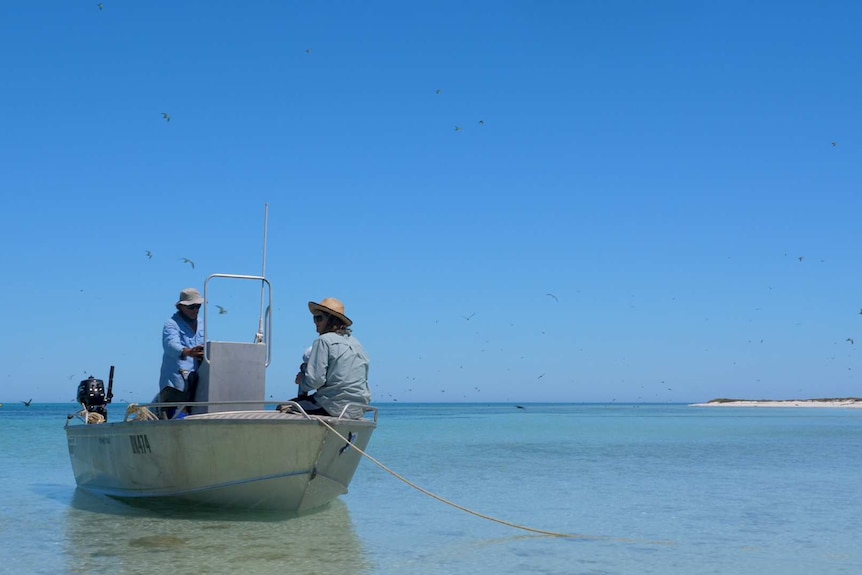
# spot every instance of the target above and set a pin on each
(250, 460)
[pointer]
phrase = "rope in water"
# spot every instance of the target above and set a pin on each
(461, 507)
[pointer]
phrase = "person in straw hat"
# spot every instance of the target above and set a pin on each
(182, 342)
(336, 372)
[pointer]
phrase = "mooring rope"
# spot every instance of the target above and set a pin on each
(140, 413)
(476, 513)
(93, 418)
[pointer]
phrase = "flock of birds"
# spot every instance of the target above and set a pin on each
(221, 310)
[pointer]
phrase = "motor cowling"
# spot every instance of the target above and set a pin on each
(91, 394)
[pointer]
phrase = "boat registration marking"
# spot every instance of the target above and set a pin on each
(140, 444)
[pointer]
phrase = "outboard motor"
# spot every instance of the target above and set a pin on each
(91, 394)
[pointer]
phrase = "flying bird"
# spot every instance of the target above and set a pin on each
(149, 254)
(541, 376)
(553, 296)
(166, 116)
(188, 261)
(481, 122)
(520, 407)
(308, 50)
(439, 91)
(100, 5)
(467, 317)
(801, 258)
(850, 339)
(221, 310)
(834, 144)
(458, 128)
(27, 403)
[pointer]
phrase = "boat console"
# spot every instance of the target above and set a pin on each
(232, 371)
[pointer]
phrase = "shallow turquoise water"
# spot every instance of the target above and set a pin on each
(649, 489)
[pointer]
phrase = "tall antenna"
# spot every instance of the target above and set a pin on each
(263, 274)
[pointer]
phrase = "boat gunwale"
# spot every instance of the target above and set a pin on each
(227, 418)
(297, 414)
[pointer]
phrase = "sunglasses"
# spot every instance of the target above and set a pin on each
(319, 318)
(195, 306)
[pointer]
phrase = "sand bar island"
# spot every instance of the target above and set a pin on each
(843, 402)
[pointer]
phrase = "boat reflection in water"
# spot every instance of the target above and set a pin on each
(107, 536)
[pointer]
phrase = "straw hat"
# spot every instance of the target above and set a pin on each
(190, 296)
(331, 306)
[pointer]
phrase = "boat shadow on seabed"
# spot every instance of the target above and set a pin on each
(108, 536)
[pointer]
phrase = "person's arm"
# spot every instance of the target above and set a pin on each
(315, 372)
(171, 341)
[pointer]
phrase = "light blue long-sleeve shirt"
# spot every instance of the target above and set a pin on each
(176, 336)
(338, 374)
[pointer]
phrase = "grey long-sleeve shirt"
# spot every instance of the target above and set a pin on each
(338, 374)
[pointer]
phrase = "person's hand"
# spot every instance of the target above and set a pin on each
(197, 352)
(299, 376)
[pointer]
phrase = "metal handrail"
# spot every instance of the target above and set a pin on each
(266, 335)
(365, 409)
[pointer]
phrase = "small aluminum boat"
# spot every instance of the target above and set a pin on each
(229, 447)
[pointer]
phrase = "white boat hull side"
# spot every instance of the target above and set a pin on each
(272, 461)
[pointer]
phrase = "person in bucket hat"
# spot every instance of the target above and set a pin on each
(335, 378)
(183, 347)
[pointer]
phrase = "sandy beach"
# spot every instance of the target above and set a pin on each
(848, 402)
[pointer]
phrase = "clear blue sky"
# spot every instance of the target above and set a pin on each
(659, 167)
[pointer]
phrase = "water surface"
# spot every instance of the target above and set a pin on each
(663, 489)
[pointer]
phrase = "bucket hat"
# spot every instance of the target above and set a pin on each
(190, 296)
